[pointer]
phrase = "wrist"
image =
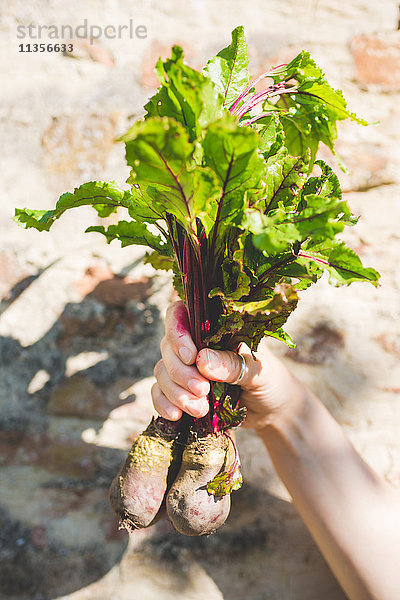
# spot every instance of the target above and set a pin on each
(283, 417)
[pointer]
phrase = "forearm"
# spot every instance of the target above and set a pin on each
(353, 516)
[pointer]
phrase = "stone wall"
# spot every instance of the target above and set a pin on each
(80, 321)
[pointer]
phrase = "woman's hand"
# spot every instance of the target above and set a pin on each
(183, 376)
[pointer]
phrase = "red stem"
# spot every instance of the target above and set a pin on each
(236, 461)
(320, 260)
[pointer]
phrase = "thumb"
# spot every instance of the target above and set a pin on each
(224, 365)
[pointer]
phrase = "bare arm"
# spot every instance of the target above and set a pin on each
(353, 515)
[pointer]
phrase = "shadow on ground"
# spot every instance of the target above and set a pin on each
(57, 533)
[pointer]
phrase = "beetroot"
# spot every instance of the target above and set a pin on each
(192, 509)
(137, 492)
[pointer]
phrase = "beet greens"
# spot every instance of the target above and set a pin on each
(226, 191)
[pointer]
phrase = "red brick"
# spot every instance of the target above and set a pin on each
(100, 283)
(56, 502)
(64, 456)
(377, 59)
(78, 397)
(9, 444)
(119, 291)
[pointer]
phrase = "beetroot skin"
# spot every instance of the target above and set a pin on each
(137, 492)
(190, 507)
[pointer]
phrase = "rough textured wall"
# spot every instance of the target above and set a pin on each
(80, 321)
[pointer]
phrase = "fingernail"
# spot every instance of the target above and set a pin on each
(200, 388)
(172, 413)
(213, 359)
(185, 354)
(196, 408)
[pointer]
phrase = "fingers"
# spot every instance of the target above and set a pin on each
(176, 396)
(218, 365)
(180, 387)
(187, 377)
(177, 333)
(163, 406)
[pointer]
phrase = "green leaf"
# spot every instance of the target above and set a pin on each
(232, 153)
(278, 233)
(235, 281)
(225, 483)
(178, 283)
(319, 214)
(270, 234)
(299, 136)
(318, 219)
(159, 69)
(302, 272)
(284, 298)
(160, 154)
(327, 184)
(250, 321)
(129, 233)
(312, 86)
(271, 134)
(286, 176)
(164, 104)
(312, 109)
(104, 197)
(185, 95)
(282, 336)
(342, 263)
(255, 260)
(159, 261)
(228, 416)
(256, 327)
(228, 70)
(156, 150)
(228, 324)
(265, 316)
(41, 220)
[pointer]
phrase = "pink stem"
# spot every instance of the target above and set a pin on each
(246, 91)
(304, 255)
(260, 116)
(236, 461)
(257, 98)
(253, 101)
(252, 84)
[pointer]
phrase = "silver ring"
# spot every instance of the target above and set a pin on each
(242, 370)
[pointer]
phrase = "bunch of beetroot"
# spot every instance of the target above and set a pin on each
(226, 191)
(170, 466)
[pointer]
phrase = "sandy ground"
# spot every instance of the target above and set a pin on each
(80, 321)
